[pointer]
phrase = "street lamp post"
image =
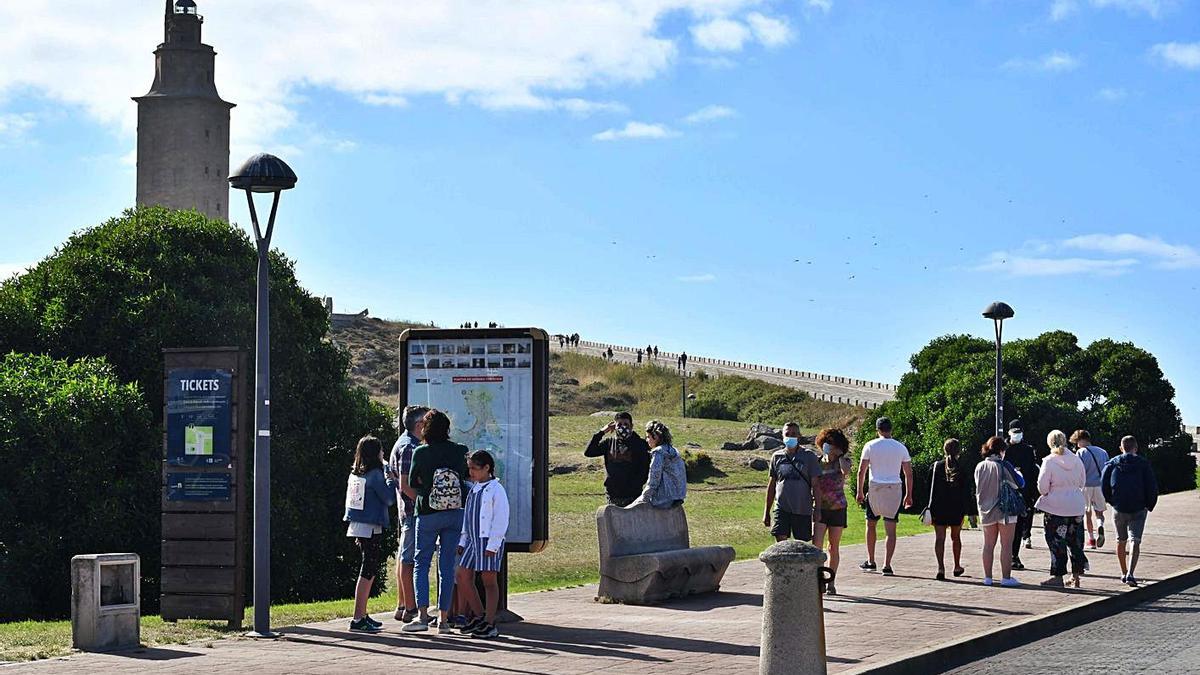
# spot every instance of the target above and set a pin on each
(263, 173)
(998, 312)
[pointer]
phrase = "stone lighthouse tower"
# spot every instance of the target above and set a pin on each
(183, 125)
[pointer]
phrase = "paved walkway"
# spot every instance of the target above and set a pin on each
(875, 618)
(1153, 637)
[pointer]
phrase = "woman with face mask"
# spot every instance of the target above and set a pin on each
(831, 495)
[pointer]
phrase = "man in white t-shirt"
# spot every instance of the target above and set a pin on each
(887, 460)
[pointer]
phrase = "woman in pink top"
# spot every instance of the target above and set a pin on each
(1061, 482)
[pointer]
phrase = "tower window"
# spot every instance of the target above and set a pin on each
(206, 171)
(206, 133)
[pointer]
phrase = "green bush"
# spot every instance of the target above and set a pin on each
(699, 466)
(81, 476)
(1174, 465)
(156, 278)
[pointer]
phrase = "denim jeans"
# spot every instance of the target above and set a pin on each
(439, 529)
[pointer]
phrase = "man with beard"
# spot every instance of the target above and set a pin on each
(626, 459)
(1021, 455)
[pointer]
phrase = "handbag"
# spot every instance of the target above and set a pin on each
(1009, 500)
(927, 514)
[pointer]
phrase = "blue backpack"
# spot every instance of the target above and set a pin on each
(1010, 501)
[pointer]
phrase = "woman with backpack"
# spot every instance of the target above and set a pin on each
(369, 493)
(1061, 482)
(439, 468)
(998, 496)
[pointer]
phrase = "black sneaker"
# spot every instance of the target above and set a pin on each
(887, 571)
(1100, 537)
(485, 630)
(363, 625)
(470, 626)
(1017, 564)
(867, 566)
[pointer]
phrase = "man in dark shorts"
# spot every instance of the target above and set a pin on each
(794, 470)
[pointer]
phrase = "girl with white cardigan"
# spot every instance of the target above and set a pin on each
(1061, 482)
(481, 545)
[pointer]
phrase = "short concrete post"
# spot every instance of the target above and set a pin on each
(793, 630)
(106, 601)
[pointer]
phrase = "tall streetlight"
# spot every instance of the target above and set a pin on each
(998, 312)
(263, 173)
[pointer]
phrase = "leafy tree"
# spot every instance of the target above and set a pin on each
(156, 278)
(80, 476)
(1050, 382)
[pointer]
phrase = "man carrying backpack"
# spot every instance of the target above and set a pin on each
(438, 470)
(1129, 485)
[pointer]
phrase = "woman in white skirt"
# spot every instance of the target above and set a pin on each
(485, 524)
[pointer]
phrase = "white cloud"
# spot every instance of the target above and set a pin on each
(15, 127)
(697, 278)
(535, 54)
(771, 32)
(1165, 255)
(710, 113)
(634, 130)
(1112, 94)
(1179, 54)
(825, 6)
(584, 108)
(1062, 9)
(8, 269)
(1054, 62)
(1027, 266)
(721, 35)
(1123, 251)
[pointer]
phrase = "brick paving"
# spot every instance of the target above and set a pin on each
(875, 618)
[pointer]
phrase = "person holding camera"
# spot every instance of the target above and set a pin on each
(626, 459)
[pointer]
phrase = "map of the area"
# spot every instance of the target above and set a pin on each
(197, 440)
(486, 388)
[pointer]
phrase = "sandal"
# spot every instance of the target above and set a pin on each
(1075, 581)
(958, 571)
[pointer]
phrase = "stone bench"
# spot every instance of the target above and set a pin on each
(645, 556)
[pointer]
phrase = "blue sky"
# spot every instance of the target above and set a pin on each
(651, 171)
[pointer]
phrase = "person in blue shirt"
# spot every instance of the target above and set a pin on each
(369, 493)
(1129, 485)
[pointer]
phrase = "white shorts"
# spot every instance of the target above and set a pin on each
(1093, 499)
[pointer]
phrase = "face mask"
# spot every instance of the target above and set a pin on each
(826, 449)
(791, 442)
(1016, 436)
(623, 433)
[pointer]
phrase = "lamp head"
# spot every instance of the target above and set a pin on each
(263, 173)
(998, 311)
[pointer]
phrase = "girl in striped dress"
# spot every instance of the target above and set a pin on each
(481, 545)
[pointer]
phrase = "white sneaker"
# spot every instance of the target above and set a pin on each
(415, 626)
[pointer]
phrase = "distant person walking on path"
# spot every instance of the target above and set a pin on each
(683, 361)
(794, 471)
(610, 354)
(950, 500)
(831, 497)
(667, 484)
(1061, 483)
(1023, 457)
(369, 493)
(1094, 459)
(399, 466)
(998, 497)
(481, 544)
(655, 352)
(1129, 485)
(639, 357)
(890, 468)
(438, 470)
(626, 459)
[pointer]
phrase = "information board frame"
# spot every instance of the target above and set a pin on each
(540, 366)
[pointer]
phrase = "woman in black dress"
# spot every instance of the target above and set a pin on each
(950, 500)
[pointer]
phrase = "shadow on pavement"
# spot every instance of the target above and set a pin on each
(932, 606)
(155, 654)
(707, 601)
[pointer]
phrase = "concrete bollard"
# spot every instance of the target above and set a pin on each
(105, 601)
(793, 630)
